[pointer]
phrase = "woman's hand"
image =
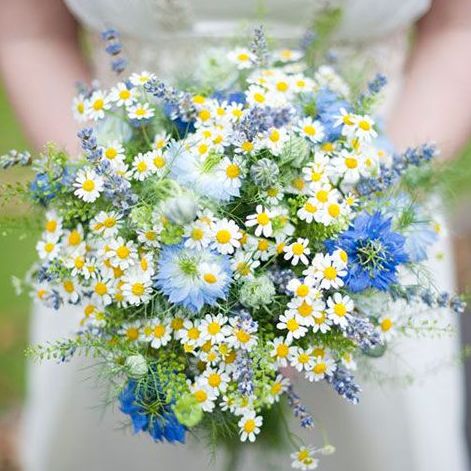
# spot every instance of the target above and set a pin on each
(40, 61)
(435, 104)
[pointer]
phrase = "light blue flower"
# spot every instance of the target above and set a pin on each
(193, 278)
(205, 176)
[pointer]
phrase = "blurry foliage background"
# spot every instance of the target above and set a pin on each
(17, 253)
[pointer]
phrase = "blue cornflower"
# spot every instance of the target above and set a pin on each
(42, 189)
(192, 277)
(374, 252)
(138, 401)
(328, 105)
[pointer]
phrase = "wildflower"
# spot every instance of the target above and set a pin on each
(226, 235)
(88, 185)
(262, 219)
(297, 251)
(374, 252)
(250, 425)
(180, 276)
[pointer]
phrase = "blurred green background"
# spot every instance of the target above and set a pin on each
(17, 253)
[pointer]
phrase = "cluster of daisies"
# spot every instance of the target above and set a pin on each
(214, 238)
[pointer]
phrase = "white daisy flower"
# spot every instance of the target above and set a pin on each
(191, 334)
(273, 194)
(262, 219)
(149, 236)
(122, 95)
(309, 210)
(48, 249)
(310, 129)
(301, 359)
(97, 104)
(303, 288)
(161, 334)
(213, 328)
(288, 55)
(339, 309)
(102, 291)
(297, 251)
(321, 367)
(244, 265)
(158, 159)
(226, 236)
(327, 270)
(293, 324)
(204, 395)
(143, 166)
(364, 128)
(106, 223)
(79, 108)
(216, 379)
(122, 253)
(137, 287)
(161, 141)
(242, 58)
(140, 111)
(198, 235)
(275, 139)
(277, 388)
(250, 425)
(387, 325)
(141, 78)
(304, 459)
(88, 185)
(131, 331)
(114, 153)
(69, 291)
(241, 336)
(280, 351)
(322, 323)
(306, 310)
(53, 225)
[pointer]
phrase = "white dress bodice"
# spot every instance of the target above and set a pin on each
(165, 36)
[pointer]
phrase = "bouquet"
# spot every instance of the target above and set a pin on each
(215, 235)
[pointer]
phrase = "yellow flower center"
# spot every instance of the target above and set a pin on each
(282, 350)
(223, 236)
(98, 104)
(200, 395)
(123, 252)
(320, 368)
(305, 309)
(340, 309)
(88, 185)
(298, 248)
(386, 324)
(322, 196)
(159, 331)
(209, 278)
(330, 273)
(232, 171)
(74, 238)
(351, 162)
(193, 333)
(51, 226)
(263, 219)
(292, 325)
(365, 125)
(310, 130)
(124, 94)
(49, 247)
(214, 328)
(138, 289)
(111, 153)
(214, 380)
(101, 288)
(247, 146)
(302, 290)
(249, 426)
(159, 161)
(132, 333)
(68, 286)
(334, 210)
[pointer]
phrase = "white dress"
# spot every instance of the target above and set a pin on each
(418, 428)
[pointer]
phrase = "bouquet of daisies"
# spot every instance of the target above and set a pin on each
(214, 236)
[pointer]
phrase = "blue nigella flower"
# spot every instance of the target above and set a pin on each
(42, 189)
(193, 278)
(374, 252)
(137, 401)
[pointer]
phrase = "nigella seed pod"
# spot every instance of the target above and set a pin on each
(181, 209)
(265, 172)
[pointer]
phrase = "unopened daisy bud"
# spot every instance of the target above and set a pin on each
(327, 450)
(136, 366)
